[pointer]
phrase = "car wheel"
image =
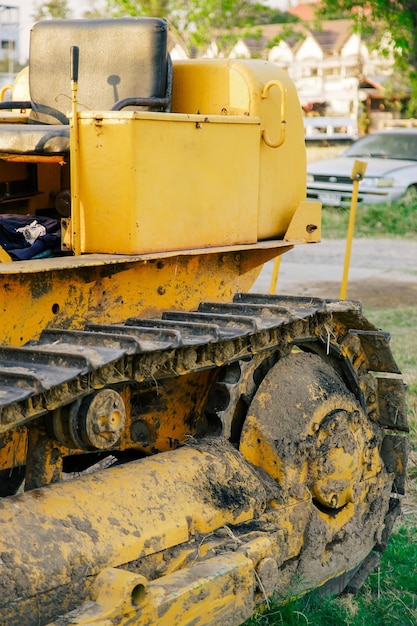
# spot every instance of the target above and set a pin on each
(410, 195)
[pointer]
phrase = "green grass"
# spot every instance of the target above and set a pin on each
(389, 596)
(401, 324)
(379, 220)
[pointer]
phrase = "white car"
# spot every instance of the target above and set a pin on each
(391, 172)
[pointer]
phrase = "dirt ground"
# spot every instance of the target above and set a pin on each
(382, 272)
(378, 293)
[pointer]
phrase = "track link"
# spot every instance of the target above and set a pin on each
(64, 365)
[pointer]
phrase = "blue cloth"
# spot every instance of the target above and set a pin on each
(15, 243)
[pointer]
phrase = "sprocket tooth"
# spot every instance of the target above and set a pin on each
(391, 401)
(394, 452)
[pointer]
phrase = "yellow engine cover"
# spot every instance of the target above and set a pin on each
(261, 89)
(226, 167)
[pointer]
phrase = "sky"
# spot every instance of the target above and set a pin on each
(26, 10)
(28, 7)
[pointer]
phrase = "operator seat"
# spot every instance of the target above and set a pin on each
(123, 62)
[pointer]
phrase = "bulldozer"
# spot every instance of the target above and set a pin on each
(175, 448)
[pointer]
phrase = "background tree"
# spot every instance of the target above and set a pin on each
(150, 8)
(52, 9)
(199, 22)
(373, 18)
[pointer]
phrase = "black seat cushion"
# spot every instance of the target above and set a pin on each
(34, 139)
(118, 58)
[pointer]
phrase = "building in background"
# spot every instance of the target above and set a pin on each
(336, 72)
(9, 42)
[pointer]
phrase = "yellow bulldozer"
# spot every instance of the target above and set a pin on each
(174, 448)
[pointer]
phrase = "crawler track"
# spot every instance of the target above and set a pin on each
(64, 365)
(282, 381)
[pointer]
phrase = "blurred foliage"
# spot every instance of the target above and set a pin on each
(199, 22)
(398, 219)
(57, 9)
(375, 19)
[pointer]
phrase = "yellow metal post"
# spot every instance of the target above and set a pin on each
(358, 172)
(75, 199)
(274, 277)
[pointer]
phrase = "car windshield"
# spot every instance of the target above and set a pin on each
(385, 146)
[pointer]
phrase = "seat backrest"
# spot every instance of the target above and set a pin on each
(118, 58)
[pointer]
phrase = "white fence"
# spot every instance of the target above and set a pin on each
(330, 128)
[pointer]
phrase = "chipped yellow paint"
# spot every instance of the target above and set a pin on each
(125, 513)
(217, 591)
(13, 445)
(69, 293)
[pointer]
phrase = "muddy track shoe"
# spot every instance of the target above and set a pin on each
(284, 462)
